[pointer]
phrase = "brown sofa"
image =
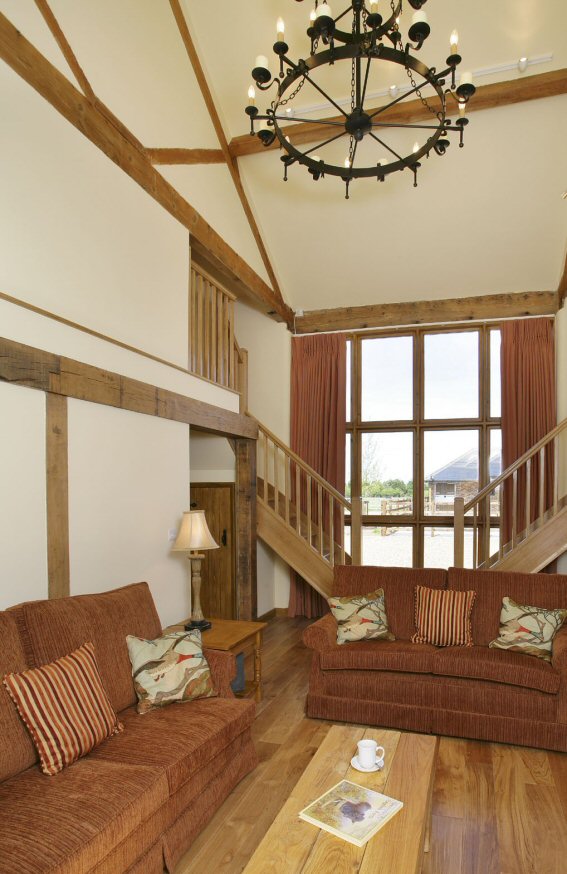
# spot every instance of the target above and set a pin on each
(473, 692)
(138, 800)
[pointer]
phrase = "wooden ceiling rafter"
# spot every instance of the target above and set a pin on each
(481, 308)
(65, 48)
(486, 97)
(230, 160)
(173, 157)
(112, 138)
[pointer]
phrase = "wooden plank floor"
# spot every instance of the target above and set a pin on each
(497, 809)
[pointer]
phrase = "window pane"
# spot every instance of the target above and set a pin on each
(348, 378)
(451, 375)
(438, 546)
(389, 547)
(495, 468)
(450, 469)
(495, 397)
(387, 379)
(387, 473)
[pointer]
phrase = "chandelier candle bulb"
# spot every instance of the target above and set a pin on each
(454, 40)
(415, 147)
(251, 96)
(324, 9)
(373, 7)
(419, 17)
(280, 28)
(347, 163)
(462, 108)
(312, 16)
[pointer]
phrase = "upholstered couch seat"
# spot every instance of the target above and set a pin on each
(476, 691)
(138, 800)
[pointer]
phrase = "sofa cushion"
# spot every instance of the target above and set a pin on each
(443, 618)
(500, 666)
(17, 751)
(51, 629)
(529, 630)
(361, 617)
(396, 655)
(399, 590)
(65, 708)
(169, 669)
(545, 590)
(178, 740)
(68, 824)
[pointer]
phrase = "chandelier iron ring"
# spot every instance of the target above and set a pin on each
(363, 46)
(348, 52)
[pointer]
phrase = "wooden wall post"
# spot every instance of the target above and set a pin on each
(245, 514)
(57, 497)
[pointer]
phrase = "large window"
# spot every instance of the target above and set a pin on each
(423, 428)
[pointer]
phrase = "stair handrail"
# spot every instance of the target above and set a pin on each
(537, 447)
(303, 464)
(461, 508)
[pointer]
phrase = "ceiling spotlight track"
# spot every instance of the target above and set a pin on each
(374, 37)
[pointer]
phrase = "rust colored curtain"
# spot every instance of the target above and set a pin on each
(318, 430)
(528, 411)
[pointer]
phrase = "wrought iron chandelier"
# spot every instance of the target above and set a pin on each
(373, 37)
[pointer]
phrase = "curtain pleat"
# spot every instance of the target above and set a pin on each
(318, 430)
(528, 411)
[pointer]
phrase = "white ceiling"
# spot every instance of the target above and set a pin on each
(485, 219)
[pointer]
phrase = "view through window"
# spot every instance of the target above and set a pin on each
(423, 427)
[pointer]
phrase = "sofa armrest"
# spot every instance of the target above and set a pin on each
(322, 634)
(559, 655)
(223, 669)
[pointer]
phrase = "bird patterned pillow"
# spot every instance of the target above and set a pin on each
(169, 669)
(361, 617)
(528, 629)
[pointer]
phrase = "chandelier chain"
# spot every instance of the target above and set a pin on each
(418, 92)
(291, 96)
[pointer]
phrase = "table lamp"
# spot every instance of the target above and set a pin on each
(194, 537)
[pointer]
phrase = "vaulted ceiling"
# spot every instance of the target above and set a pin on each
(486, 219)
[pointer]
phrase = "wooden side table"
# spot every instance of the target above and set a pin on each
(236, 636)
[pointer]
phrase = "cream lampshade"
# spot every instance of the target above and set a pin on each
(193, 538)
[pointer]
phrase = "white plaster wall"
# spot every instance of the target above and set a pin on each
(269, 361)
(212, 459)
(561, 351)
(23, 526)
(128, 487)
(80, 238)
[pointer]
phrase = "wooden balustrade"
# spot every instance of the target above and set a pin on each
(526, 496)
(294, 492)
(212, 353)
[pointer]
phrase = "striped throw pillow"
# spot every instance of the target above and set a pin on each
(443, 617)
(64, 707)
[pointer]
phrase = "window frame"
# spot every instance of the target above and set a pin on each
(418, 425)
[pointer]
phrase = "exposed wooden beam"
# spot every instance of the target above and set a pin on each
(57, 497)
(490, 306)
(95, 124)
(486, 97)
(66, 49)
(246, 527)
(230, 160)
(186, 156)
(34, 368)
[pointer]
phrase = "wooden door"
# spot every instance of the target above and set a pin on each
(218, 590)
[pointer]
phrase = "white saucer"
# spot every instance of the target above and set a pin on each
(358, 767)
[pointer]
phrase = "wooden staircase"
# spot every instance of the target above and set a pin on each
(537, 529)
(299, 515)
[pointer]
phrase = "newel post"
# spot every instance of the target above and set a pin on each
(459, 532)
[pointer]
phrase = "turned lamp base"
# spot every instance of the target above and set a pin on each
(201, 624)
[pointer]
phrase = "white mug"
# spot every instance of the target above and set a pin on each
(370, 754)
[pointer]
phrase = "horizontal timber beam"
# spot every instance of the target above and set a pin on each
(95, 124)
(185, 156)
(34, 368)
(486, 97)
(490, 306)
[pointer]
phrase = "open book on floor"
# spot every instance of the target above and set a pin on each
(351, 812)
